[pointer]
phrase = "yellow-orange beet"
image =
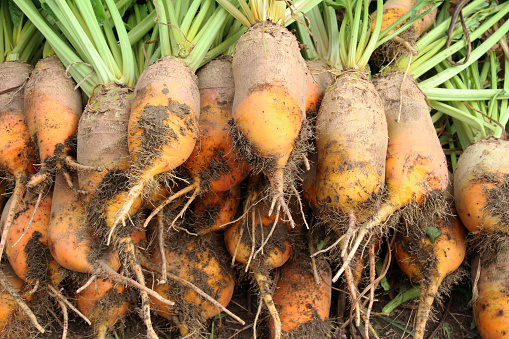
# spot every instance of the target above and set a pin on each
(201, 262)
(163, 125)
(269, 105)
(52, 105)
(491, 309)
(103, 304)
(214, 210)
(416, 168)
(17, 151)
(214, 160)
(481, 185)
(300, 301)
(70, 236)
(17, 251)
(351, 141)
(428, 263)
(395, 9)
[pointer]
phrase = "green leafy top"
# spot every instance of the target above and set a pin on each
(90, 36)
(431, 48)
(351, 44)
(188, 29)
(275, 11)
(142, 36)
(20, 39)
(474, 94)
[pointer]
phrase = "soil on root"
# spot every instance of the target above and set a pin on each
(244, 304)
(458, 322)
(498, 197)
(294, 168)
(38, 256)
(157, 132)
(453, 321)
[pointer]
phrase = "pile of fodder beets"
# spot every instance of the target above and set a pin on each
(205, 149)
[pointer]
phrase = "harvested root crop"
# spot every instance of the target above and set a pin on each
(481, 191)
(428, 261)
(53, 107)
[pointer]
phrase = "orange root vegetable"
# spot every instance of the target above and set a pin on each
(17, 152)
(71, 239)
(247, 237)
(277, 247)
(319, 79)
(481, 187)
(403, 43)
(163, 125)
(106, 200)
(106, 123)
(214, 164)
(108, 197)
(214, 211)
(27, 239)
(102, 134)
(351, 161)
(203, 262)
(8, 303)
(416, 173)
(351, 165)
(12, 317)
(428, 262)
(303, 305)
(395, 9)
(491, 308)
(53, 108)
(269, 104)
(214, 160)
(104, 304)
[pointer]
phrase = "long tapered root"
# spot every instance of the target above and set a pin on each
(38, 178)
(383, 213)
(71, 163)
(153, 267)
(301, 207)
(64, 162)
(7, 285)
(372, 274)
(68, 180)
(195, 186)
(160, 223)
(66, 318)
(265, 292)
(130, 251)
(353, 295)
(61, 299)
(17, 195)
(330, 247)
(128, 281)
(423, 312)
(102, 331)
(37, 203)
(260, 249)
(186, 206)
(351, 227)
(123, 211)
(253, 239)
(278, 200)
